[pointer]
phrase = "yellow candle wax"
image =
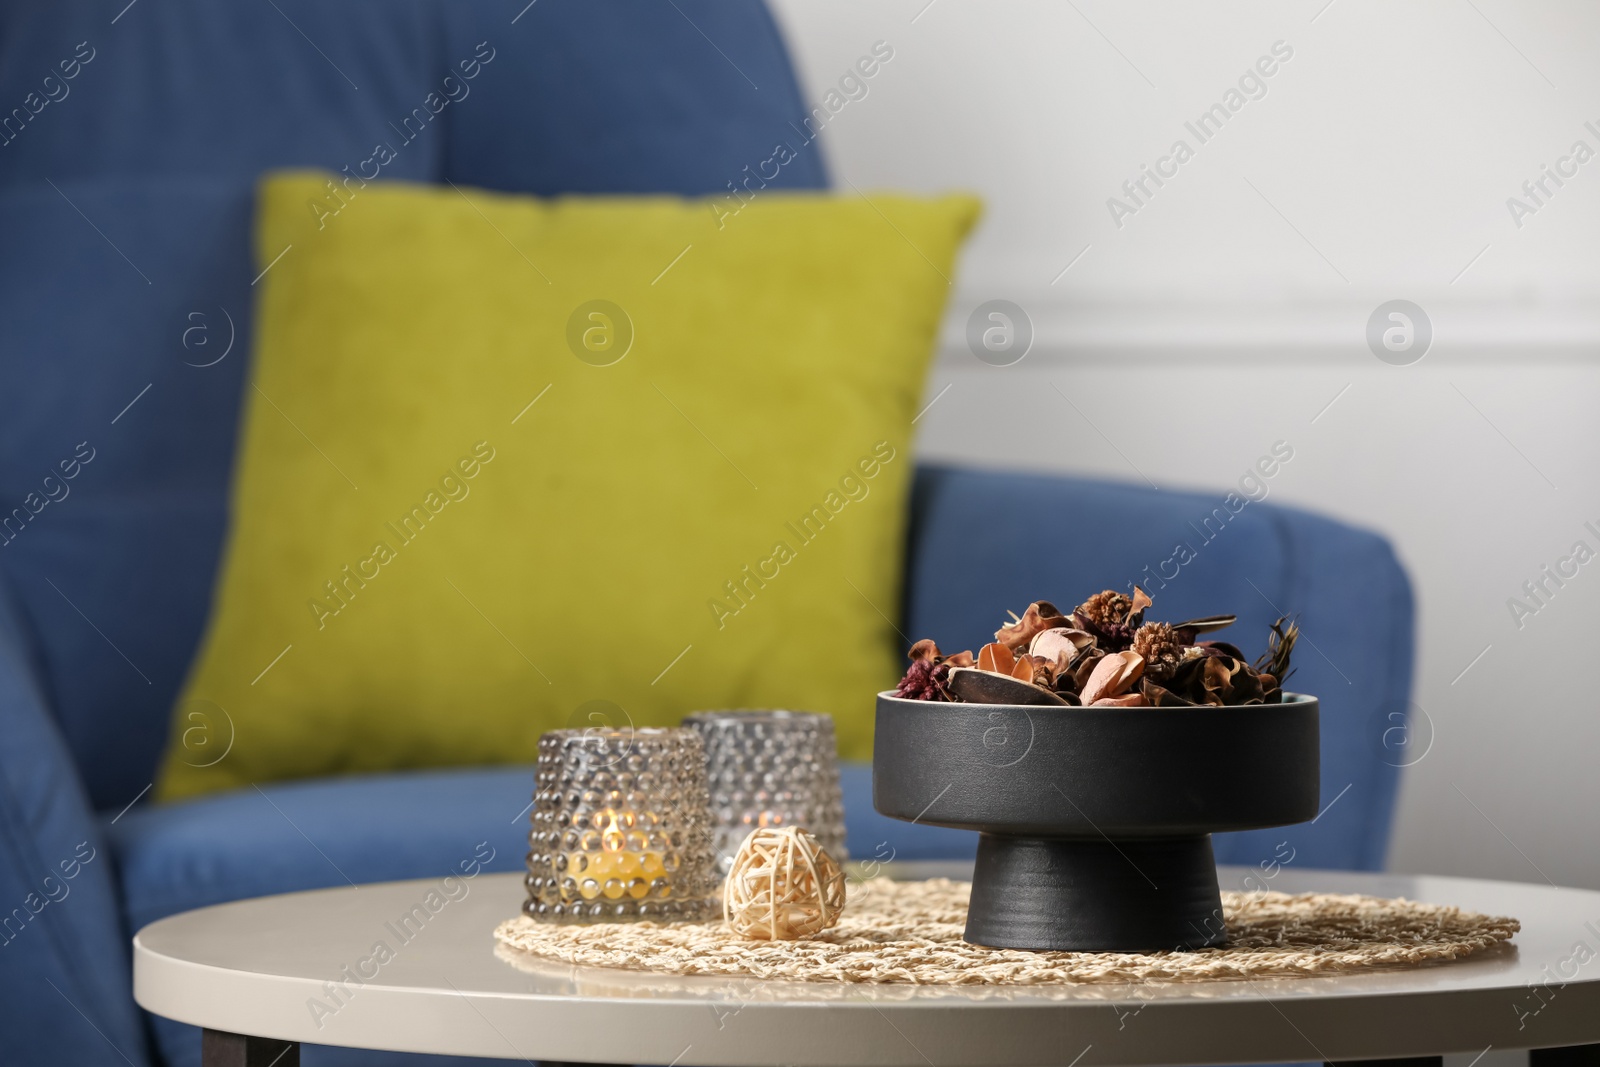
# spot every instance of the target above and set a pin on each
(616, 871)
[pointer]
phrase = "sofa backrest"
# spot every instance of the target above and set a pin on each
(130, 141)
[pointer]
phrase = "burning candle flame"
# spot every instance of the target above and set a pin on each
(611, 836)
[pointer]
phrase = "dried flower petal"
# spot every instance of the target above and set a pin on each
(1231, 681)
(1189, 629)
(1085, 667)
(1040, 671)
(1060, 640)
(1247, 688)
(1159, 696)
(1112, 676)
(1141, 600)
(1041, 615)
(996, 658)
(1127, 700)
(926, 651)
(1222, 648)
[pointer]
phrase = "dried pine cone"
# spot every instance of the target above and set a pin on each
(1106, 609)
(1107, 615)
(1158, 643)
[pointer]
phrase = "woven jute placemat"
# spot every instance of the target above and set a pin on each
(910, 932)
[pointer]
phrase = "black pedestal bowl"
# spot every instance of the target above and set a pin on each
(1096, 823)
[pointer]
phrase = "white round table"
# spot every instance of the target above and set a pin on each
(306, 967)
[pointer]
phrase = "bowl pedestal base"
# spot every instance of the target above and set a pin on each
(1095, 895)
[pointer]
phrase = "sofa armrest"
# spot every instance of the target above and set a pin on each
(66, 992)
(986, 542)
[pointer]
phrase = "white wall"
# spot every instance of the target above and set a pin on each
(1234, 302)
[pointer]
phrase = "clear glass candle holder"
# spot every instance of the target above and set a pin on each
(771, 768)
(621, 828)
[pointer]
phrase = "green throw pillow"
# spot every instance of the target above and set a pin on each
(511, 464)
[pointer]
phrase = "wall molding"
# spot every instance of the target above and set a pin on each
(1079, 331)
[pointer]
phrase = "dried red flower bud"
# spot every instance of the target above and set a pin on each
(925, 680)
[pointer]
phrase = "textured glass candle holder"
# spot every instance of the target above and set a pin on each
(621, 828)
(771, 768)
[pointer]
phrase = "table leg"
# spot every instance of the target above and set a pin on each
(218, 1048)
(1571, 1056)
(1418, 1061)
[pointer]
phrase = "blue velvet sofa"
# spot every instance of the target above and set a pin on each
(130, 140)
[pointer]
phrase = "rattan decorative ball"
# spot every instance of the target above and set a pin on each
(783, 886)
